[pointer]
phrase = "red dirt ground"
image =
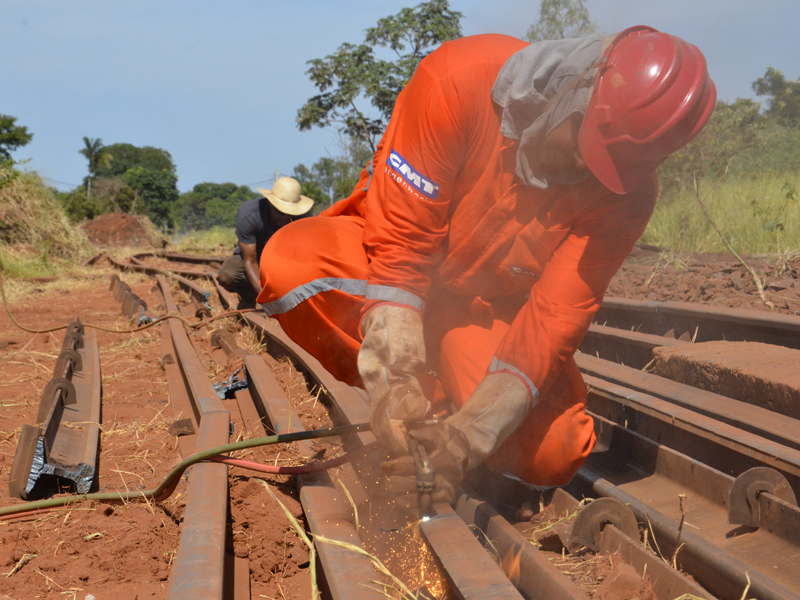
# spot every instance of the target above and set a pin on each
(122, 229)
(719, 279)
(125, 551)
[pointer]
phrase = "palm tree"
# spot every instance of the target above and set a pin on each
(97, 155)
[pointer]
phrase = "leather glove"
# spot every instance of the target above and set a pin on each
(449, 452)
(391, 353)
(464, 440)
(492, 413)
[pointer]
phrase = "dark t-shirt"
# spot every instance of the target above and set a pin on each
(255, 226)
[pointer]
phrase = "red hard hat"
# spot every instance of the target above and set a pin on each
(651, 96)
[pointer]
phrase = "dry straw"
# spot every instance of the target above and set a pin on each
(30, 216)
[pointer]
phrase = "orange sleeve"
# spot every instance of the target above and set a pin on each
(551, 325)
(408, 200)
(444, 108)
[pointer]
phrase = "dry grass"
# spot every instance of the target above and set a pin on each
(33, 223)
(217, 240)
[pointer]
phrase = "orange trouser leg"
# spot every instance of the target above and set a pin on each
(556, 436)
(325, 324)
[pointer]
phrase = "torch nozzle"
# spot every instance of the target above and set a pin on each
(426, 479)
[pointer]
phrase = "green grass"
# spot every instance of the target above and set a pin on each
(16, 264)
(217, 240)
(756, 215)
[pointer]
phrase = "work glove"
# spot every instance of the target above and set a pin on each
(391, 353)
(464, 440)
(449, 452)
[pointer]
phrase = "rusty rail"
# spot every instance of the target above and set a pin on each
(631, 348)
(742, 415)
(184, 258)
(716, 444)
(717, 545)
(710, 323)
(199, 570)
(141, 267)
(65, 440)
(327, 510)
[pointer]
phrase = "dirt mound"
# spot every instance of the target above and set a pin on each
(122, 229)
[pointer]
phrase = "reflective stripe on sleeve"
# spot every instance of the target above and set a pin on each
(393, 294)
(498, 365)
(354, 287)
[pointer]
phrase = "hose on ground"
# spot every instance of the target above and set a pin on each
(167, 486)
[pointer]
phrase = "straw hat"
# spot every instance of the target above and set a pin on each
(285, 196)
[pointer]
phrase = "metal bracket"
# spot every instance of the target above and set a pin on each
(66, 357)
(68, 396)
(743, 507)
(76, 326)
(589, 523)
(72, 339)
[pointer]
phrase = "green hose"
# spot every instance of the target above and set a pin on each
(170, 482)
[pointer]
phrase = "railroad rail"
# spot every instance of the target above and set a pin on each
(689, 490)
(64, 441)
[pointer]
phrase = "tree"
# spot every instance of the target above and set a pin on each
(209, 205)
(97, 155)
(12, 136)
(78, 206)
(560, 19)
(114, 195)
(128, 156)
(331, 179)
(783, 100)
(136, 180)
(354, 72)
(157, 191)
(731, 130)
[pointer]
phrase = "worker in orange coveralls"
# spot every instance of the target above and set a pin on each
(509, 186)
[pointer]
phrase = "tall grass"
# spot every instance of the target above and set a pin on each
(36, 238)
(757, 215)
(217, 240)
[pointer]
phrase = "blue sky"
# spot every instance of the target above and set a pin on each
(218, 84)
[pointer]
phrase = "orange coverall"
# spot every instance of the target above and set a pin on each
(508, 276)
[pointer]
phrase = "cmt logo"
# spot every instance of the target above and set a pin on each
(412, 177)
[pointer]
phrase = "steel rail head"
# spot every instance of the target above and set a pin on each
(467, 566)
